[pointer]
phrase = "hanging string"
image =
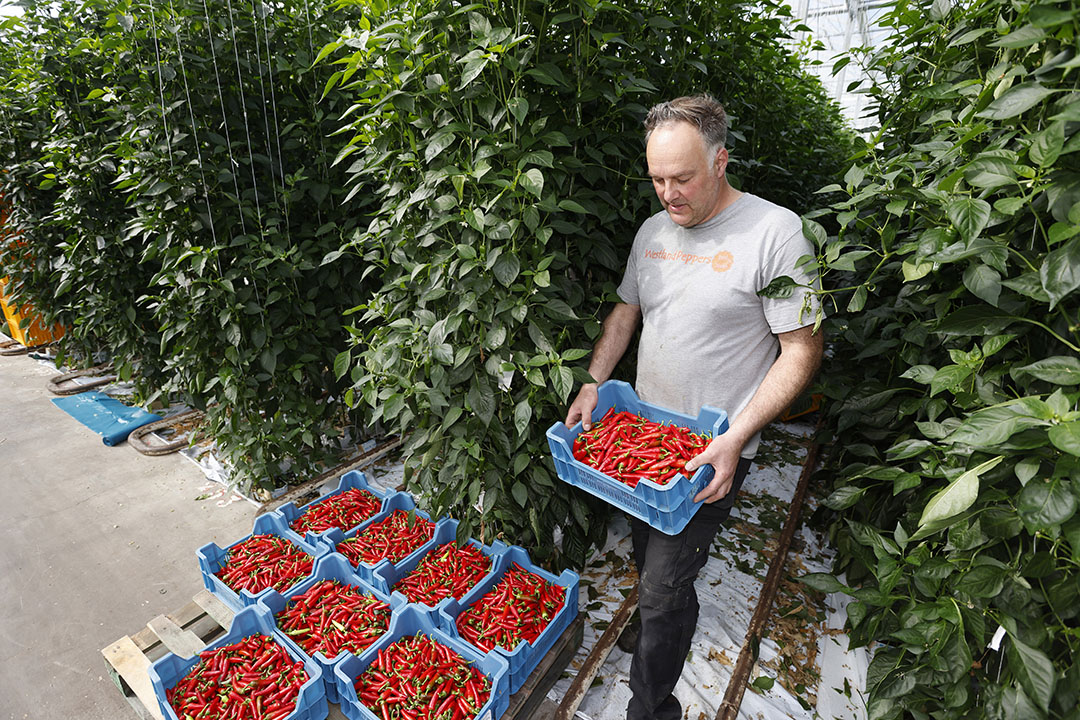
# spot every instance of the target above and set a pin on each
(277, 129)
(195, 134)
(247, 131)
(262, 93)
(161, 89)
(314, 104)
(234, 167)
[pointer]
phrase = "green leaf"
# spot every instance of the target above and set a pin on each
(1016, 705)
(1060, 370)
(981, 581)
(984, 282)
(844, 497)
(533, 181)
(1026, 469)
(824, 582)
(968, 215)
(472, 70)
(268, 359)
(1047, 145)
(562, 379)
(1046, 504)
(482, 401)
(1034, 670)
(958, 496)
(342, 363)
(916, 270)
(763, 683)
(326, 50)
(522, 416)
(520, 493)
(506, 268)
(949, 377)
(1015, 101)
(519, 108)
(1066, 437)
(993, 426)
(1060, 271)
(1024, 37)
(572, 206)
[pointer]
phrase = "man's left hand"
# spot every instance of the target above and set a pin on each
(723, 454)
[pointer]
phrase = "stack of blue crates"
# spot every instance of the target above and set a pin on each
(331, 679)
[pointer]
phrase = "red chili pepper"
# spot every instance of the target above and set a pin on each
(394, 539)
(433, 680)
(515, 609)
(331, 617)
(635, 449)
(264, 561)
(446, 571)
(343, 510)
(239, 680)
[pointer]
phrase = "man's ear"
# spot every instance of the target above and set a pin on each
(721, 161)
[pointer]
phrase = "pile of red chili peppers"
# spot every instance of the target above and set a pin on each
(345, 510)
(418, 678)
(265, 561)
(332, 616)
(518, 608)
(630, 448)
(254, 678)
(394, 538)
(446, 571)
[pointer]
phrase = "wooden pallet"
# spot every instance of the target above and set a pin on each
(189, 629)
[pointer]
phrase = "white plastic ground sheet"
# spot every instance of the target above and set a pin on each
(804, 651)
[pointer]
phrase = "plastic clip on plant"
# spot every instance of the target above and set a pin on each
(344, 510)
(254, 678)
(630, 448)
(265, 561)
(393, 539)
(419, 678)
(447, 571)
(332, 616)
(518, 608)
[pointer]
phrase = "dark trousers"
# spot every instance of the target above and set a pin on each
(667, 567)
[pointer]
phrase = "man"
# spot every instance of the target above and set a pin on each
(707, 338)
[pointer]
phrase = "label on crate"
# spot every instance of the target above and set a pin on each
(606, 490)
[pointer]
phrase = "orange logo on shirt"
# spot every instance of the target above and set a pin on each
(722, 261)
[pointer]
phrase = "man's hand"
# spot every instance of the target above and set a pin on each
(583, 406)
(723, 454)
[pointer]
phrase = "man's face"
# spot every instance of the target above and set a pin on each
(689, 189)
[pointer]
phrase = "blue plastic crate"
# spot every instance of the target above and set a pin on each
(166, 672)
(397, 501)
(353, 480)
(388, 575)
(212, 558)
(329, 567)
(524, 658)
(667, 508)
(415, 620)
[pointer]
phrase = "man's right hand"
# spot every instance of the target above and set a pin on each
(583, 406)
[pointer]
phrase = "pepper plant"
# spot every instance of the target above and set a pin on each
(170, 176)
(954, 379)
(503, 144)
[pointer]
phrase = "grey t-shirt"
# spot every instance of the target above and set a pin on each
(707, 337)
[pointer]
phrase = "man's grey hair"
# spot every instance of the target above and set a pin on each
(701, 111)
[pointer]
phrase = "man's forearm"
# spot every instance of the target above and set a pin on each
(792, 372)
(619, 327)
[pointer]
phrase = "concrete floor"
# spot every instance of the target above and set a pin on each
(94, 542)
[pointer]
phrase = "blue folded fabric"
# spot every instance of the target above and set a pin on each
(107, 416)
